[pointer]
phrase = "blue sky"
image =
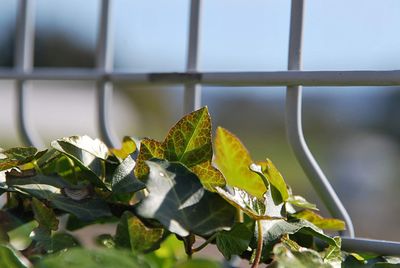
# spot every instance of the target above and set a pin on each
(236, 34)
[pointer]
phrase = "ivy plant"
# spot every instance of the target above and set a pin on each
(167, 200)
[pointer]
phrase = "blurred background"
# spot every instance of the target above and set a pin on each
(354, 132)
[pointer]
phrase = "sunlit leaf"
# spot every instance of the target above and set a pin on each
(88, 154)
(301, 202)
(333, 254)
(274, 230)
(254, 207)
(178, 200)
(148, 149)
(209, 176)
(233, 160)
(319, 221)
(306, 258)
(78, 258)
(128, 147)
(124, 180)
(133, 234)
(10, 258)
(189, 141)
(236, 240)
(16, 156)
(274, 177)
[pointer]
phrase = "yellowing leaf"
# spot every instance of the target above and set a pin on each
(148, 149)
(128, 147)
(233, 159)
(189, 141)
(274, 177)
(319, 221)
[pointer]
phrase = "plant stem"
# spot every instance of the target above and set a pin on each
(208, 241)
(259, 245)
(239, 215)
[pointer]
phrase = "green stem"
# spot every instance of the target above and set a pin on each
(208, 241)
(259, 245)
(239, 215)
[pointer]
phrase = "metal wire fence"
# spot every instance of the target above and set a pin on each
(294, 79)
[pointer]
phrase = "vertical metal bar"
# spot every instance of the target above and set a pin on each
(192, 94)
(24, 44)
(294, 125)
(105, 64)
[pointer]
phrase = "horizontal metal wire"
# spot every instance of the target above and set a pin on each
(273, 78)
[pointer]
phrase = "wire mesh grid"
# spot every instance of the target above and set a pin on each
(192, 79)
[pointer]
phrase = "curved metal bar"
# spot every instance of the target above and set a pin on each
(23, 63)
(105, 64)
(295, 130)
(192, 93)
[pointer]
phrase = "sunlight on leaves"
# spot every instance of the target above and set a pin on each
(233, 160)
(319, 221)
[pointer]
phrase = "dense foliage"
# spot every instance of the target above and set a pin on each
(164, 197)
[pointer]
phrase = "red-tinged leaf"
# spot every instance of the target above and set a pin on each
(148, 149)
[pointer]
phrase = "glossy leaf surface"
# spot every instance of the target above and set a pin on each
(124, 180)
(178, 200)
(16, 156)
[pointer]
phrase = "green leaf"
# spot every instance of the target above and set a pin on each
(189, 140)
(301, 202)
(44, 216)
(78, 258)
(209, 176)
(255, 207)
(233, 160)
(88, 154)
(148, 149)
(128, 147)
(235, 241)
(273, 230)
(178, 200)
(198, 263)
(319, 221)
(124, 180)
(133, 234)
(16, 156)
(306, 258)
(86, 209)
(10, 258)
(274, 177)
(333, 253)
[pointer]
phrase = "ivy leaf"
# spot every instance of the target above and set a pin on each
(128, 147)
(133, 234)
(148, 149)
(274, 230)
(10, 258)
(44, 216)
(256, 208)
(233, 160)
(236, 240)
(284, 258)
(77, 258)
(16, 156)
(86, 209)
(301, 202)
(124, 180)
(274, 177)
(87, 153)
(178, 200)
(209, 176)
(319, 221)
(189, 140)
